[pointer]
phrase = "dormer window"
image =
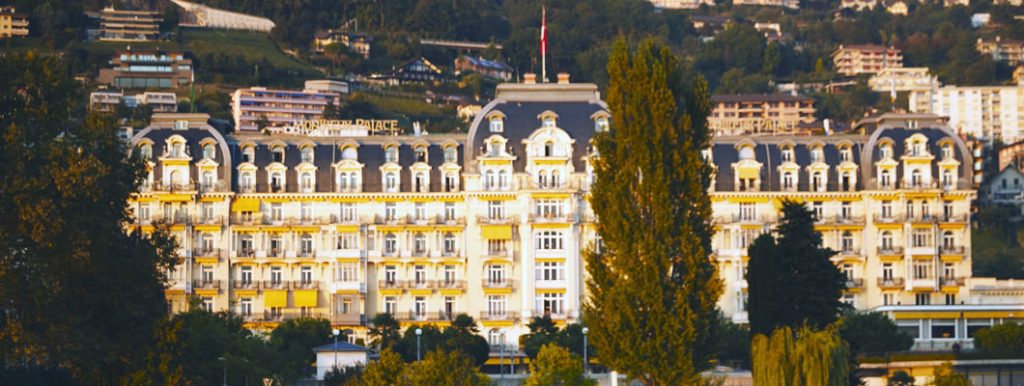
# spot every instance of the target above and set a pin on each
(278, 152)
(181, 125)
(307, 182)
(947, 152)
(885, 152)
(817, 155)
(787, 154)
(601, 124)
(787, 181)
(548, 121)
(349, 153)
(497, 125)
(391, 182)
(249, 154)
(177, 149)
(307, 154)
(450, 155)
(276, 182)
(549, 149)
(846, 154)
(494, 148)
(209, 151)
(391, 154)
(146, 151)
(421, 154)
(747, 153)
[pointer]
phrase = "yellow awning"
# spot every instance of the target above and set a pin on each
(347, 228)
(246, 205)
(275, 298)
(212, 198)
(552, 195)
(175, 197)
(349, 199)
(496, 232)
(305, 298)
(550, 290)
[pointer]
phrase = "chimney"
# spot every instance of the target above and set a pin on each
(563, 78)
(529, 78)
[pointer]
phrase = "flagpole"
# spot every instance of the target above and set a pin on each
(543, 45)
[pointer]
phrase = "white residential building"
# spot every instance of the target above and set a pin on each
(992, 113)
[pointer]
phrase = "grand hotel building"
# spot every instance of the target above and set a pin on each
(492, 223)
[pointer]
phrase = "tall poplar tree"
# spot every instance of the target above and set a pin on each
(791, 280)
(652, 287)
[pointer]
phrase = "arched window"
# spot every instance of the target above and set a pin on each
(306, 245)
(146, 152)
(349, 153)
(549, 149)
(177, 149)
(847, 241)
(494, 337)
(249, 154)
(947, 179)
(276, 181)
(915, 178)
(503, 179)
(601, 124)
(489, 180)
(307, 154)
(817, 184)
(497, 125)
(246, 181)
(391, 182)
(209, 151)
(390, 243)
(353, 181)
(207, 243)
(342, 181)
(947, 151)
(176, 178)
(208, 179)
(787, 181)
(948, 242)
(555, 180)
(542, 179)
(421, 182)
(885, 151)
(886, 179)
(451, 182)
(548, 121)
(787, 154)
(747, 153)
(449, 243)
(419, 244)
(278, 152)
(887, 240)
(307, 182)
(450, 154)
(391, 154)
(421, 154)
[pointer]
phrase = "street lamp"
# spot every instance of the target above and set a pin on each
(586, 365)
(336, 333)
(222, 359)
(419, 331)
(501, 361)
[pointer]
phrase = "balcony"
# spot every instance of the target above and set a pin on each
(245, 285)
(951, 281)
(306, 254)
(748, 219)
(957, 218)
(390, 220)
(952, 250)
(497, 283)
(498, 315)
(349, 319)
(847, 220)
(245, 253)
(451, 284)
(208, 220)
(336, 219)
(206, 284)
(890, 251)
(444, 220)
(849, 252)
(890, 283)
(304, 284)
(275, 253)
(275, 284)
(923, 218)
(419, 284)
(313, 220)
(206, 253)
(497, 220)
(216, 186)
(269, 316)
(550, 217)
(390, 284)
(180, 187)
(890, 219)
(854, 283)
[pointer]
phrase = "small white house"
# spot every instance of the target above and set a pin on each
(1007, 188)
(343, 354)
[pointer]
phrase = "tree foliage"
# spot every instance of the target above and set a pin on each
(76, 291)
(652, 289)
(805, 357)
(556, 366)
(946, 376)
(292, 341)
(872, 333)
(1005, 338)
(543, 331)
(791, 280)
(437, 368)
(900, 378)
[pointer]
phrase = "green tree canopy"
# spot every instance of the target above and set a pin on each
(557, 366)
(652, 289)
(384, 331)
(1005, 338)
(791, 280)
(451, 368)
(900, 378)
(77, 291)
(872, 333)
(946, 376)
(293, 342)
(804, 357)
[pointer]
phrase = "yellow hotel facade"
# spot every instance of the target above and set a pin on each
(493, 223)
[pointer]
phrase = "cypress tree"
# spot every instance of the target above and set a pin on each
(791, 280)
(652, 288)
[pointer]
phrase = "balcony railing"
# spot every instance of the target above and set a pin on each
(497, 315)
(954, 218)
(201, 252)
(847, 220)
(748, 219)
(269, 316)
(849, 252)
(349, 319)
(890, 283)
(303, 284)
(499, 283)
(497, 220)
(451, 284)
(952, 250)
(246, 252)
(180, 187)
(208, 220)
(391, 284)
(855, 283)
(271, 284)
(890, 251)
(888, 219)
(550, 217)
(206, 284)
(419, 284)
(951, 281)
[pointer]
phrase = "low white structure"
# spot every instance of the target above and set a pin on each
(1007, 188)
(903, 79)
(327, 85)
(342, 355)
(198, 15)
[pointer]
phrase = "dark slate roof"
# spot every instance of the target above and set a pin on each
(341, 346)
(193, 137)
(521, 120)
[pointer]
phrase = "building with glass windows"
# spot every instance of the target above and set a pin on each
(149, 69)
(493, 223)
